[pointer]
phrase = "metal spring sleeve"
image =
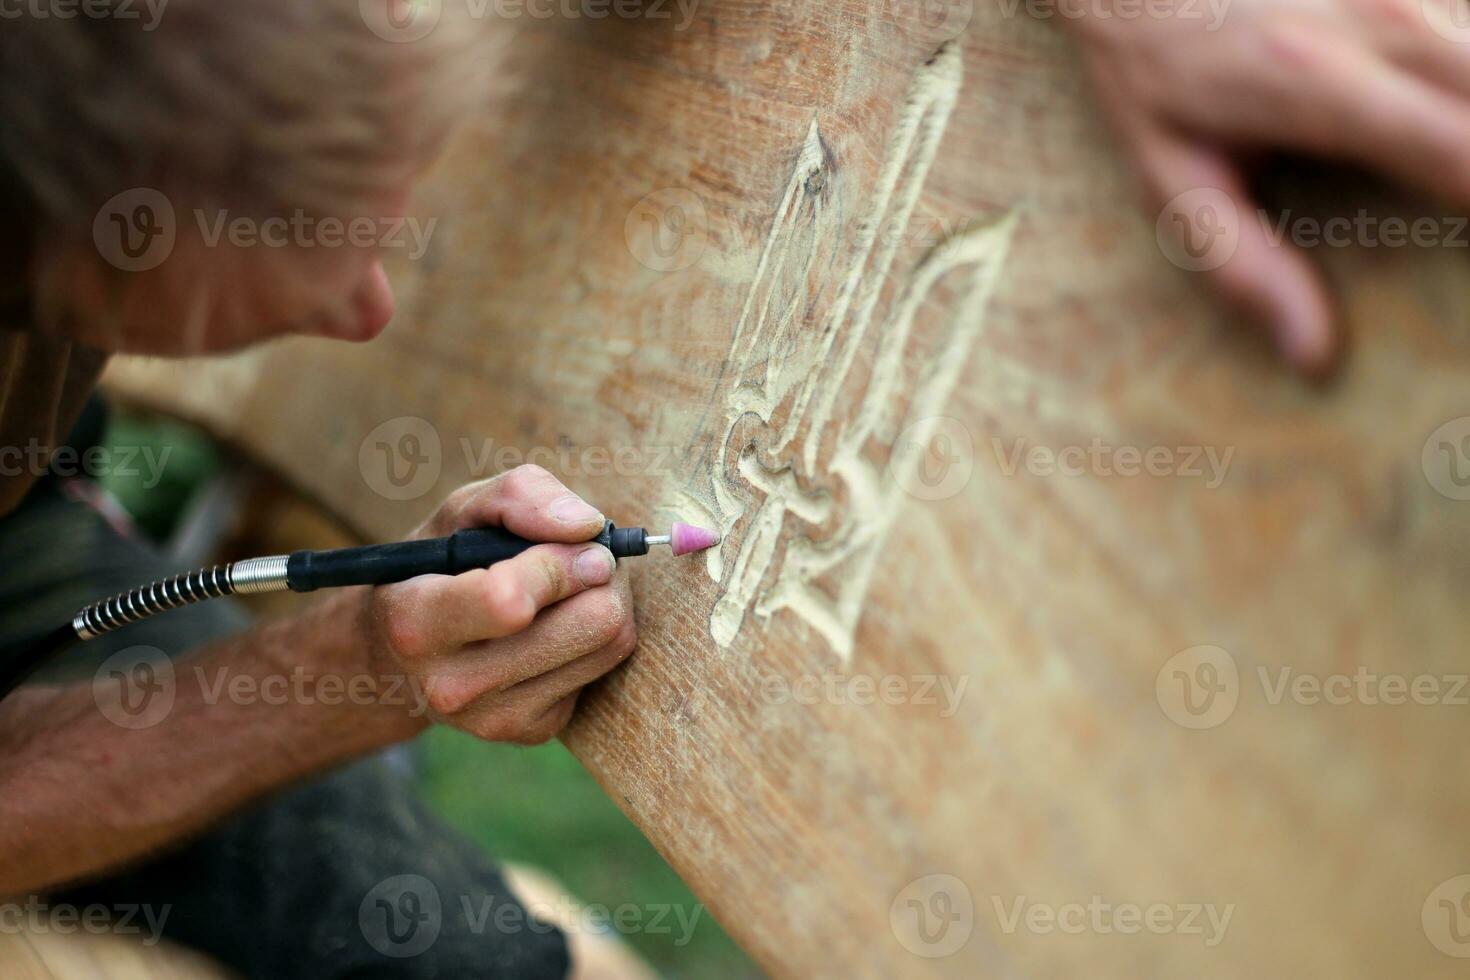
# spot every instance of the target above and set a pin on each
(253, 575)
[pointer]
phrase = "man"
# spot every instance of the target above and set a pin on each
(262, 109)
(280, 106)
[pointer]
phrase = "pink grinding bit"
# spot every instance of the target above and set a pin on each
(685, 538)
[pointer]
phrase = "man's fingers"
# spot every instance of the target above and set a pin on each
(527, 501)
(550, 724)
(572, 629)
(1212, 226)
(554, 685)
(507, 716)
(436, 614)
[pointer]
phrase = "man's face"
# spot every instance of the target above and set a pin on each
(223, 291)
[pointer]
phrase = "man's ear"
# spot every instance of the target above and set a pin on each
(76, 292)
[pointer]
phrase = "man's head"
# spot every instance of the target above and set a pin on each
(223, 173)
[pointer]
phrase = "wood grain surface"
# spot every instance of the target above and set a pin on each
(1033, 556)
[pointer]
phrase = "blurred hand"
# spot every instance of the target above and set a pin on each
(503, 652)
(1378, 82)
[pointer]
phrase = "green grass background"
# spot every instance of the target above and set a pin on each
(538, 806)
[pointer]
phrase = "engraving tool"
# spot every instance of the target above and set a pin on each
(307, 571)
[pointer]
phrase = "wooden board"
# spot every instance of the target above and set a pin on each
(872, 293)
(69, 951)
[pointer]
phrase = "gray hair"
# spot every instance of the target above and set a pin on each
(255, 105)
